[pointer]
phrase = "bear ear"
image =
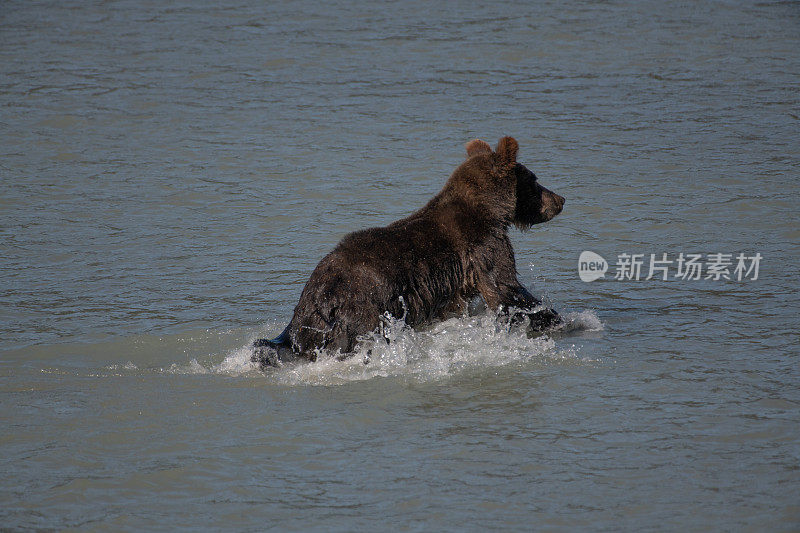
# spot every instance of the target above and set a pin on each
(507, 150)
(476, 147)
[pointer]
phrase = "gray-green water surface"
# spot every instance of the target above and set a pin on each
(172, 172)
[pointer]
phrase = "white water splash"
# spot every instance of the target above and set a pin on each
(581, 321)
(445, 349)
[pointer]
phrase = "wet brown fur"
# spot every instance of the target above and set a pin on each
(428, 265)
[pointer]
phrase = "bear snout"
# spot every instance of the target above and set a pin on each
(559, 202)
(552, 204)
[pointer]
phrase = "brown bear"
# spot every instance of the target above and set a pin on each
(428, 265)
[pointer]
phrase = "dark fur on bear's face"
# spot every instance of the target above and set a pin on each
(428, 265)
(534, 204)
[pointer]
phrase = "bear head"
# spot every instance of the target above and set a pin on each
(503, 186)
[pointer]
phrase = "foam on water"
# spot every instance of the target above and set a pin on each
(445, 349)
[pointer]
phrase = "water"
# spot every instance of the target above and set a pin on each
(171, 174)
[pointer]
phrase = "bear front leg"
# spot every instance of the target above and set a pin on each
(515, 298)
(540, 319)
